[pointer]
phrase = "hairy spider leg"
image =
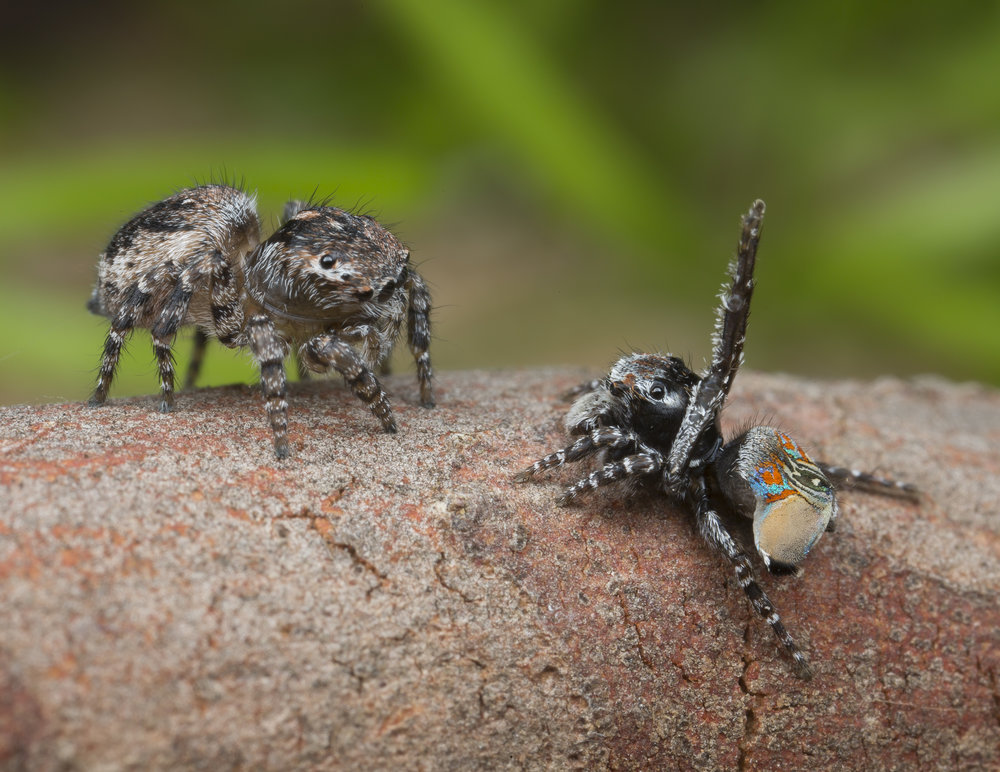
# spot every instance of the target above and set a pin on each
(727, 354)
(715, 533)
(330, 351)
(227, 315)
(855, 478)
(269, 350)
(136, 299)
(227, 308)
(605, 437)
(640, 464)
(418, 333)
(165, 330)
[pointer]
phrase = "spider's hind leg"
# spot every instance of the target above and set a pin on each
(165, 330)
(843, 477)
(136, 300)
(715, 533)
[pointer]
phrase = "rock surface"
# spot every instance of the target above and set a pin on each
(173, 597)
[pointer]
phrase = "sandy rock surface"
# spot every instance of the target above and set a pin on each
(173, 597)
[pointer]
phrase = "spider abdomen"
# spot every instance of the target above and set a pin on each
(767, 476)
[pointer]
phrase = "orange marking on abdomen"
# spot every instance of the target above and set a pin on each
(770, 475)
(789, 444)
(779, 496)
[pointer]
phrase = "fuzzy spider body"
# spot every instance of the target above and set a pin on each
(652, 422)
(335, 285)
(172, 264)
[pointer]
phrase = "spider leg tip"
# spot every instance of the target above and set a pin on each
(803, 669)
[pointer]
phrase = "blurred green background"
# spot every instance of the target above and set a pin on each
(569, 174)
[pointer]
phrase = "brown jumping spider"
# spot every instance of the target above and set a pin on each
(654, 422)
(333, 284)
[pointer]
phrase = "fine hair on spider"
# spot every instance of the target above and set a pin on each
(653, 422)
(335, 286)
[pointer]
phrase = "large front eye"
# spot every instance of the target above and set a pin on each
(657, 391)
(326, 262)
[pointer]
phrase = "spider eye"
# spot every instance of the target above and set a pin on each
(327, 262)
(657, 391)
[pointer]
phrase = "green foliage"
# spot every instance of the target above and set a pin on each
(611, 147)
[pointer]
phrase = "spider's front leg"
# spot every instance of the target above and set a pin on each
(610, 437)
(327, 351)
(643, 464)
(715, 533)
(418, 332)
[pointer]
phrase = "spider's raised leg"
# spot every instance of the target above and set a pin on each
(269, 350)
(418, 332)
(328, 350)
(865, 481)
(727, 352)
(715, 533)
(136, 300)
(606, 437)
(648, 462)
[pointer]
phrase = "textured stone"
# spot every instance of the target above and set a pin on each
(174, 597)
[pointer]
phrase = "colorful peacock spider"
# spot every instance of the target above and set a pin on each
(653, 421)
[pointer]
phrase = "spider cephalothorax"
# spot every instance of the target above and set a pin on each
(653, 422)
(336, 285)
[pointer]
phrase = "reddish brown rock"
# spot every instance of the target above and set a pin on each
(173, 597)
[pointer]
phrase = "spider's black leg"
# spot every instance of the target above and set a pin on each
(855, 478)
(269, 350)
(605, 437)
(327, 350)
(715, 533)
(136, 299)
(418, 331)
(727, 353)
(197, 357)
(645, 463)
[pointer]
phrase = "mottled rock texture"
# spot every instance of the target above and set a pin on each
(173, 597)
